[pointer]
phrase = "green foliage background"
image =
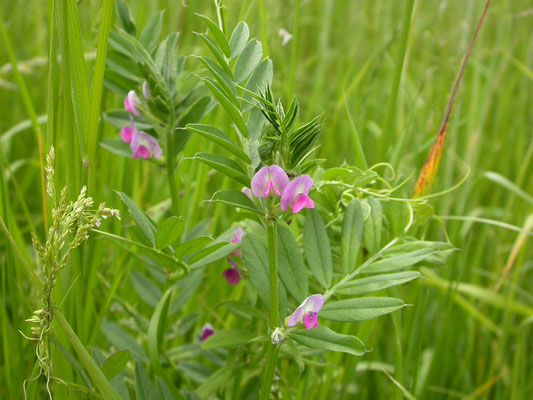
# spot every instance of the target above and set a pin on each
(462, 339)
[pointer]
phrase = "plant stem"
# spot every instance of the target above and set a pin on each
(272, 352)
(270, 368)
(273, 273)
(96, 374)
(170, 171)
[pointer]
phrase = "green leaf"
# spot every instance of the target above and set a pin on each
(372, 230)
(218, 137)
(216, 255)
(169, 232)
(398, 261)
(117, 146)
(115, 363)
(238, 39)
(141, 220)
(211, 45)
(397, 212)
(120, 118)
(121, 339)
(147, 290)
(317, 248)
(144, 387)
(236, 199)
(261, 77)
(223, 79)
(375, 283)
(291, 267)
(256, 258)
(215, 381)
(227, 338)
(192, 246)
(193, 115)
(231, 109)
(256, 121)
(323, 338)
(249, 58)
(156, 328)
(360, 309)
(352, 235)
(218, 34)
(124, 16)
(152, 30)
(224, 165)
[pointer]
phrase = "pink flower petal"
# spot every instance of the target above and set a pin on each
(312, 305)
(289, 194)
(237, 235)
(131, 102)
(153, 144)
(126, 133)
(232, 276)
(141, 152)
(247, 192)
(269, 181)
(310, 320)
(207, 331)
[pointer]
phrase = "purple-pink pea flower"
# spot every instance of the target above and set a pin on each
(131, 103)
(232, 275)
(237, 238)
(307, 313)
(269, 181)
(141, 143)
(296, 194)
(207, 331)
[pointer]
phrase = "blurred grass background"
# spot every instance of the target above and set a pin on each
(459, 341)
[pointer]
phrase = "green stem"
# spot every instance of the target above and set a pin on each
(96, 374)
(171, 173)
(272, 352)
(273, 274)
(270, 368)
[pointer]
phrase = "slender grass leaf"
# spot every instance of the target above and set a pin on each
(360, 309)
(375, 283)
(323, 338)
(215, 381)
(317, 248)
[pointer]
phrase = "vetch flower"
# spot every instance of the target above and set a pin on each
(307, 312)
(141, 143)
(296, 194)
(232, 275)
(269, 181)
(131, 103)
(207, 331)
(237, 237)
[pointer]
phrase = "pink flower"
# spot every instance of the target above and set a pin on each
(207, 331)
(269, 181)
(141, 143)
(307, 313)
(131, 103)
(237, 237)
(296, 194)
(232, 275)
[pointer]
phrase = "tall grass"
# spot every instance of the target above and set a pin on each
(382, 71)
